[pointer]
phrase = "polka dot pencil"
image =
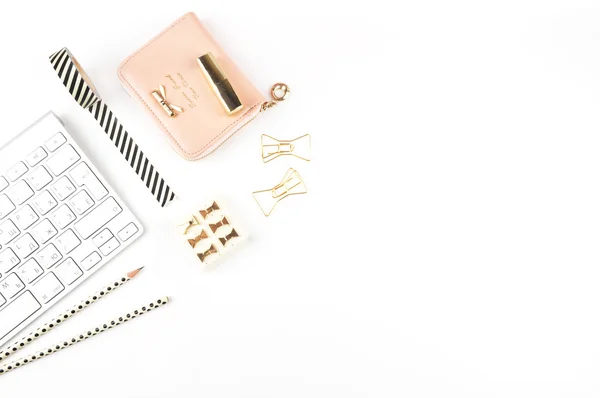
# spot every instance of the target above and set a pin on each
(83, 336)
(66, 315)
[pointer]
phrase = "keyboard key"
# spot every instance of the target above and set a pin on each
(20, 192)
(16, 171)
(11, 285)
(91, 260)
(67, 242)
(25, 217)
(36, 156)
(55, 142)
(47, 288)
(39, 178)
(30, 271)
(43, 210)
(6, 206)
(3, 184)
(127, 232)
(17, 312)
(8, 232)
(44, 203)
(62, 217)
(68, 272)
(64, 158)
(49, 256)
(63, 188)
(81, 202)
(98, 217)
(82, 175)
(25, 245)
(102, 237)
(44, 231)
(8, 260)
(109, 247)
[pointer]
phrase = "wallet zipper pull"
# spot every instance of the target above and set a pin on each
(279, 92)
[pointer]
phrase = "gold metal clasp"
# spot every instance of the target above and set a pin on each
(161, 97)
(279, 92)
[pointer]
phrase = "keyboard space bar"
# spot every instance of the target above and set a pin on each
(17, 312)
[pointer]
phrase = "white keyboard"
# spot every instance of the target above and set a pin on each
(59, 222)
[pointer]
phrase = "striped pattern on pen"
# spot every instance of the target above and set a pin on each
(73, 79)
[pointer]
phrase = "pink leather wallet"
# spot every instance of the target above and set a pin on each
(167, 78)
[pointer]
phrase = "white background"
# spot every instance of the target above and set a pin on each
(448, 246)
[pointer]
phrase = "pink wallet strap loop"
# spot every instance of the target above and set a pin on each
(82, 90)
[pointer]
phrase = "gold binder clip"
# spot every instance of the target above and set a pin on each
(229, 237)
(161, 97)
(273, 148)
(214, 207)
(214, 227)
(211, 250)
(193, 242)
(291, 184)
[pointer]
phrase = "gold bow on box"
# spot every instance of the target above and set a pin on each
(161, 97)
(291, 184)
(209, 233)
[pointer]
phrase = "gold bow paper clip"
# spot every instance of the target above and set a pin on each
(161, 97)
(273, 148)
(291, 184)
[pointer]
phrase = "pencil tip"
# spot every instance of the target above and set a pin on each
(134, 272)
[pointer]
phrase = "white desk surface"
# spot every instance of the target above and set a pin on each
(448, 246)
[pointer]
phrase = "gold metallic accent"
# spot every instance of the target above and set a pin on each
(219, 83)
(214, 207)
(279, 92)
(291, 184)
(214, 227)
(193, 242)
(273, 148)
(190, 224)
(211, 250)
(161, 97)
(228, 237)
